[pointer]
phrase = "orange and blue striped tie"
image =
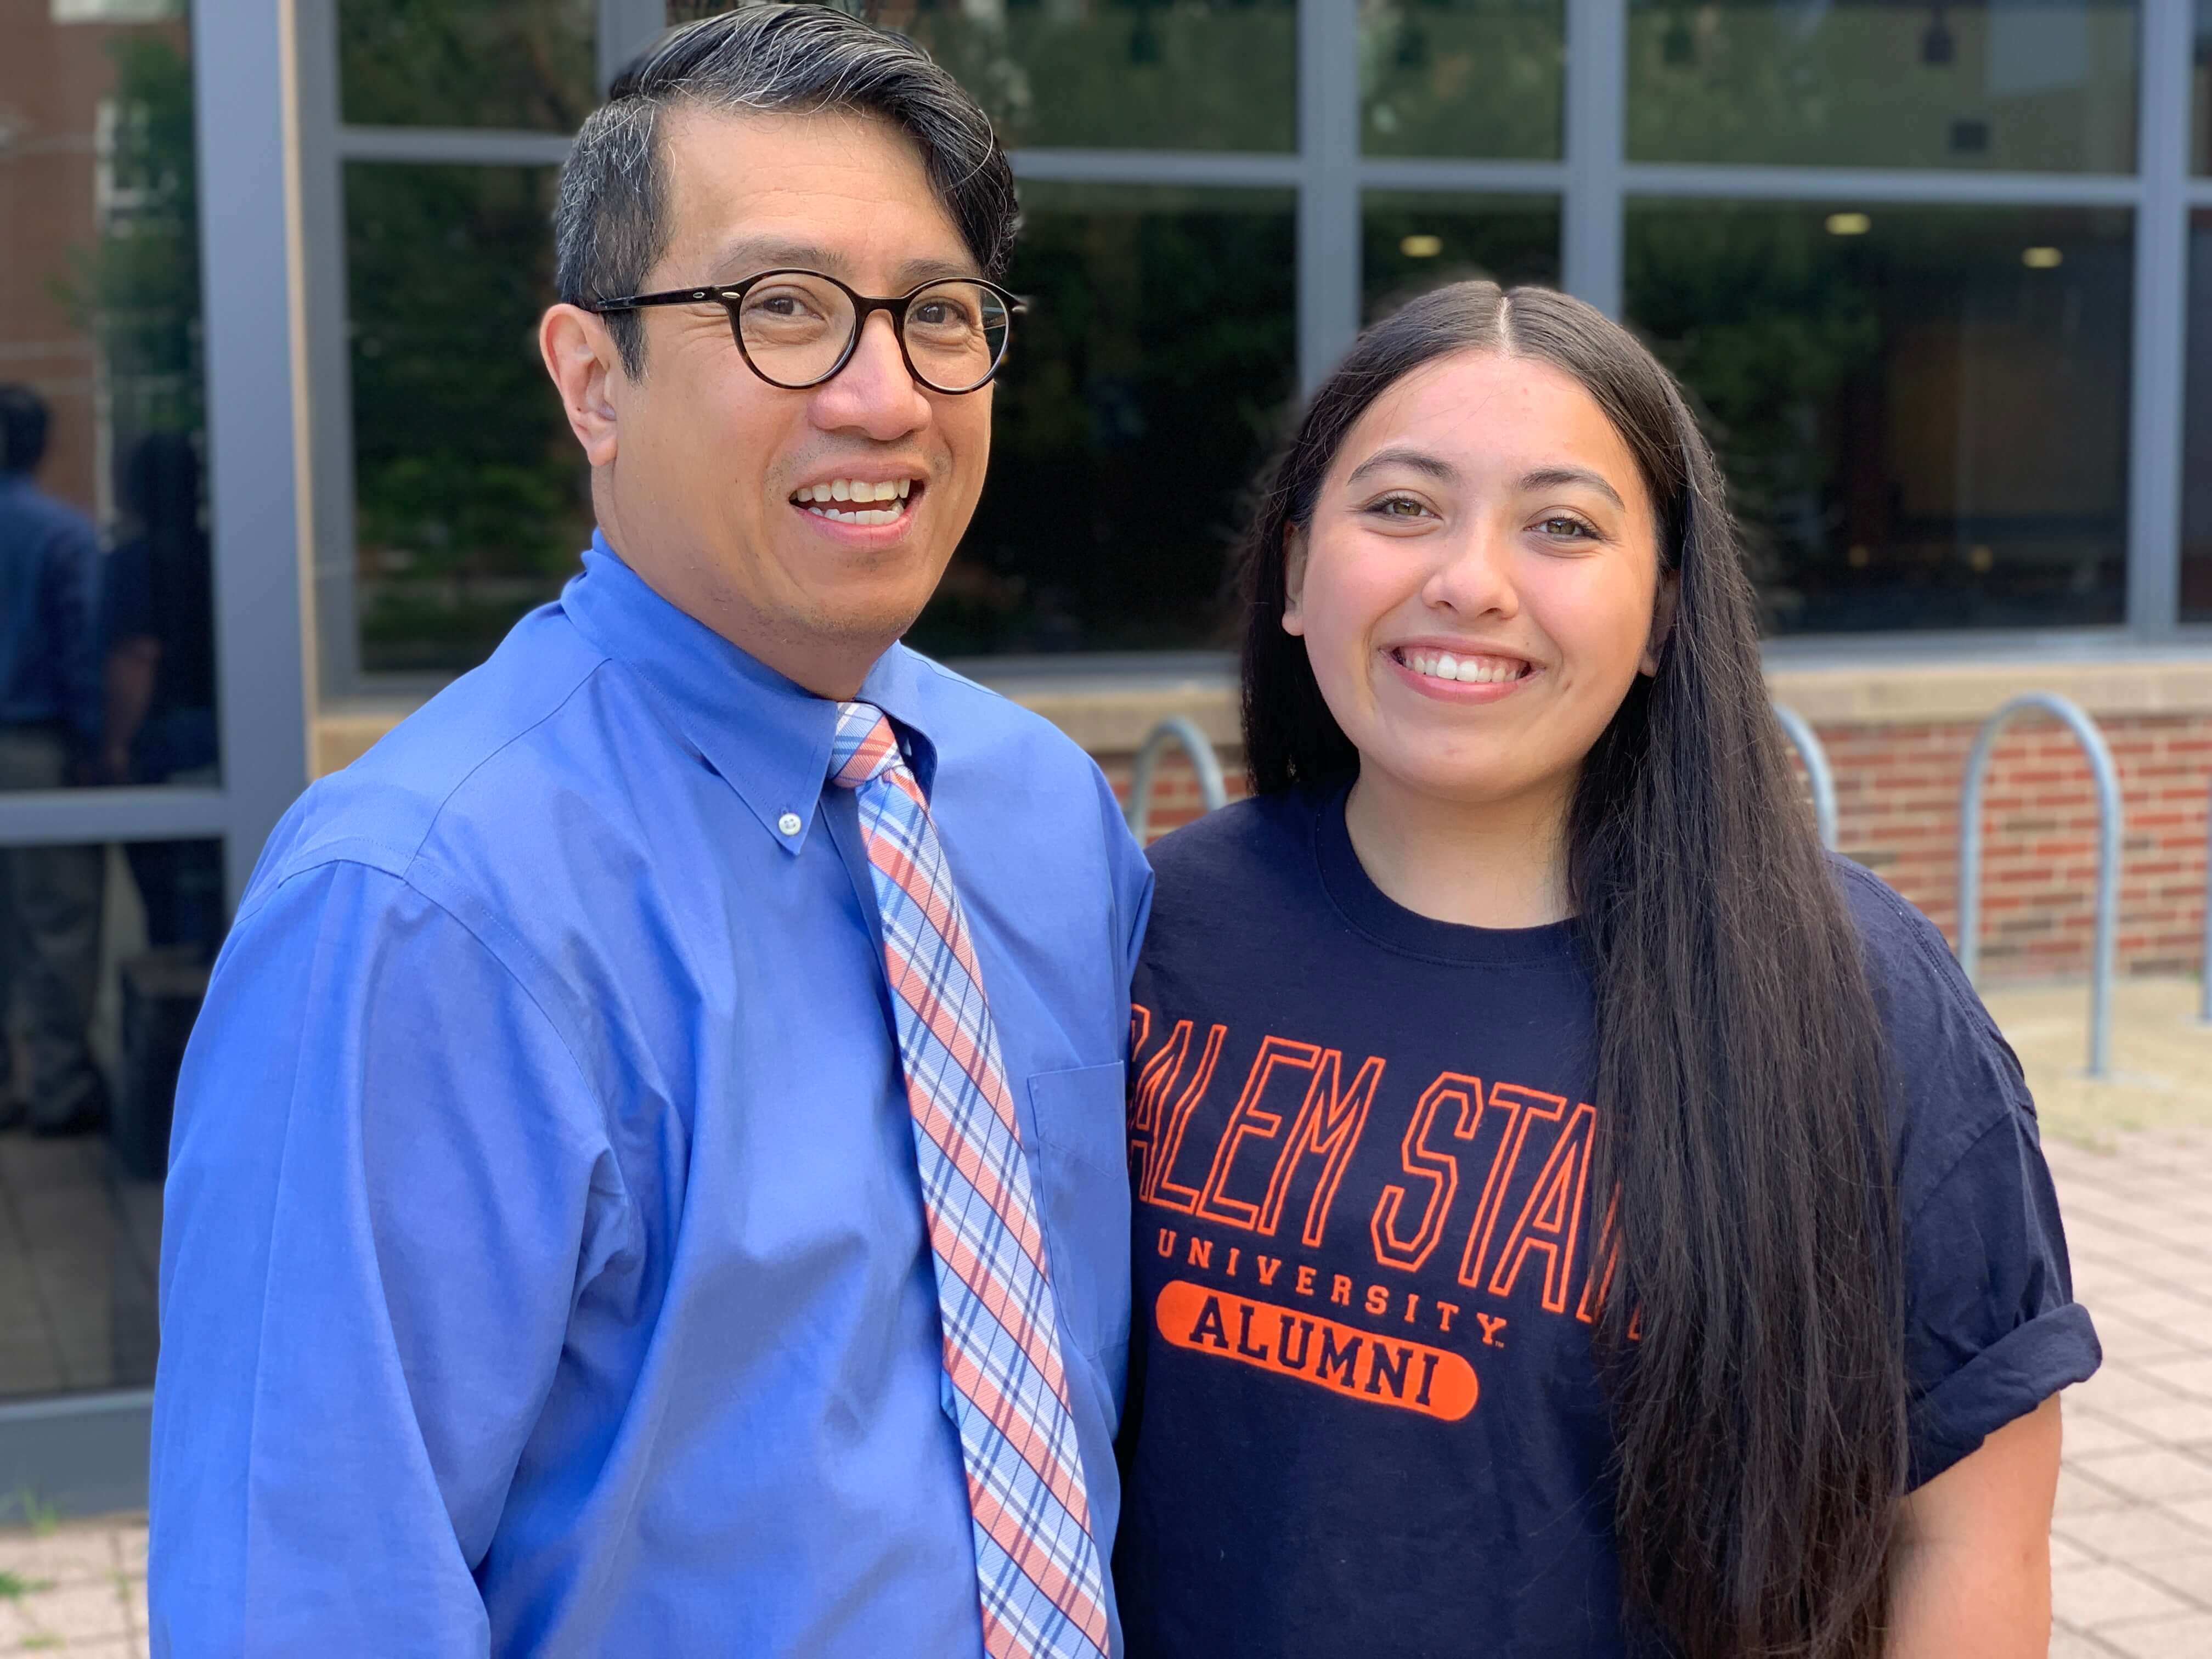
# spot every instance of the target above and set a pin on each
(1038, 1571)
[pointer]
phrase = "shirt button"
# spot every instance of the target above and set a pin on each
(791, 824)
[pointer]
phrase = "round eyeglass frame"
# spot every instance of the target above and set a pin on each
(728, 295)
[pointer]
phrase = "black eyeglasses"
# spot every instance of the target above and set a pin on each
(796, 329)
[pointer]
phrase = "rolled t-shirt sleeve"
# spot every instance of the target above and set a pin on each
(1992, 1329)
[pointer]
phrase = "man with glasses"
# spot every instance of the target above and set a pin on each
(649, 1176)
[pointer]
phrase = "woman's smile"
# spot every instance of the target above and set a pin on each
(1466, 674)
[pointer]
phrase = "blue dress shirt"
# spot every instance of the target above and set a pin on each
(545, 1269)
(50, 657)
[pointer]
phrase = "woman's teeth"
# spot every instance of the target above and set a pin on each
(1470, 670)
(813, 497)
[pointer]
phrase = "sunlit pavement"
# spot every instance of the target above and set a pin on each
(2131, 1548)
(77, 1588)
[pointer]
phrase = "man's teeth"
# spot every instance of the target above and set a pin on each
(1473, 670)
(856, 490)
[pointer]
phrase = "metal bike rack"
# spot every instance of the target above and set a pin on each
(2110, 828)
(1175, 729)
(1818, 772)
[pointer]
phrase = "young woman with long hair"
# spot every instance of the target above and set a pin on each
(1574, 1214)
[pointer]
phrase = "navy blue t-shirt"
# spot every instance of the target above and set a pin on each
(1365, 1414)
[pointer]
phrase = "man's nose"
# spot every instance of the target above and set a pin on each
(874, 393)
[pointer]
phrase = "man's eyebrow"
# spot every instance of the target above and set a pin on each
(749, 255)
(1418, 460)
(915, 272)
(1551, 477)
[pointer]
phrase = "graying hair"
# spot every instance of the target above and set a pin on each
(610, 224)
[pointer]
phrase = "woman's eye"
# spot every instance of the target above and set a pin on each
(1560, 524)
(1399, 506)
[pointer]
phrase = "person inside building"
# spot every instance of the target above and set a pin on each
(157, 632)
(1575, 1215)
(51, 897)
(648, 1176)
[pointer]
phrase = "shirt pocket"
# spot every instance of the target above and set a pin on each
(1078, 1117)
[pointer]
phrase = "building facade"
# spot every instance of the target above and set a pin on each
(1938, 278)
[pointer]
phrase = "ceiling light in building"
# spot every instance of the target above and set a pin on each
(1849, 224)
(2042, 258)
(1858, 558)
(1982, 559)
(1421, 247)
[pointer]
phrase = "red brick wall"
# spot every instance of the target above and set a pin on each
(1897, 792)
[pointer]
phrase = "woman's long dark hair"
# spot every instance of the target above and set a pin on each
(1751, 1338)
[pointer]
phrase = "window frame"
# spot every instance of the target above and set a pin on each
(1592, 182)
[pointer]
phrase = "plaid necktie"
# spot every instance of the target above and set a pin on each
(1036, 1564)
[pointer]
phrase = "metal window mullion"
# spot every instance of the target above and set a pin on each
(451, 146)
(336, 656)
(625, 28)
(65, 817)
(244, 120)
(1902, 185)
(1328, 241)
(1595, 138)
(1473, 178)
(2161, 320)
(1202, 168)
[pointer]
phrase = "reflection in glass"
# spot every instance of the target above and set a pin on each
(515, 64)
(1923, 411)
(97, 1004)
(1415, 240)
(103, 409)
(2200, 102)
(1461, 78)
(470, 496)
(2196, 430)
(2039, 85)
(1142, 389)
(1110, 74)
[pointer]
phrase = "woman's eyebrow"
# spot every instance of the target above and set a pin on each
(1418, 460)
(1551, 477)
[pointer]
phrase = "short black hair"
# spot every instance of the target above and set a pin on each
(22, 429)
(610, 224)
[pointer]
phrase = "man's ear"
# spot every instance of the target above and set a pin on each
(1662, 620)
(1294, 579)
(587, 368)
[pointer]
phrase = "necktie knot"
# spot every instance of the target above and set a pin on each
(864, 748)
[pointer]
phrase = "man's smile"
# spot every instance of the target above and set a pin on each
(860, 501)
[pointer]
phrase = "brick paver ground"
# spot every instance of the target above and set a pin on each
(2131, 1544)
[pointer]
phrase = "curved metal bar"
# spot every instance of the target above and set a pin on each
(2110, 826)
(1818, 772)
(1175, 729)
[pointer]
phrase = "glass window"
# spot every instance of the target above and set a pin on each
(1417, 240)
(2040, 85)
(1461, 78)
(1110, 74)
(107, 659)
(2196, 430)
(104, 955)
(2200, 103)
(471, 499)
(525, 64)
(1141, 394)
(1923, 411)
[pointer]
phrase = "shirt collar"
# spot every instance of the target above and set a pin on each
(767, 737)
